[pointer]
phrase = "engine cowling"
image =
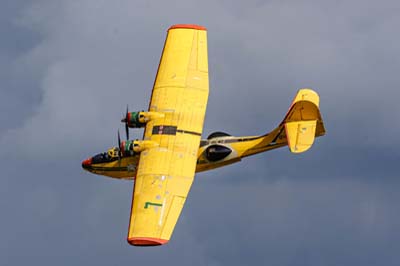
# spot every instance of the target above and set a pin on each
(131, 147)
(134, 120)
(139, 119)
(217, 152)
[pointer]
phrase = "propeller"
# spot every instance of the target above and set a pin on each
(126, 121)
(119, 147)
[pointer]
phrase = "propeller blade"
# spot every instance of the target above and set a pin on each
(119, 146)
(127, 131)
(125, 120)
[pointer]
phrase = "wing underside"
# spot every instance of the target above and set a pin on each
(166, 171)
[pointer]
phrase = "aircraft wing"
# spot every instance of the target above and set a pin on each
(166, 171)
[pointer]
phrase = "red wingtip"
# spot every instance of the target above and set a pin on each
(187, 26)
(146, 241)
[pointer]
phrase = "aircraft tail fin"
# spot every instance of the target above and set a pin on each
(303, 121)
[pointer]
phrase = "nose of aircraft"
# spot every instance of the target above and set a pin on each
(87, 163)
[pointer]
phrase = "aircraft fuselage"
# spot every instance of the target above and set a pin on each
(213, 153)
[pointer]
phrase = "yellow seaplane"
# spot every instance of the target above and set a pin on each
(164, 163)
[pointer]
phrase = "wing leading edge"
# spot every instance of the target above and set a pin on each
(166, 171)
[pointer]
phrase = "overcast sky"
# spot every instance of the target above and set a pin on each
(69, 68)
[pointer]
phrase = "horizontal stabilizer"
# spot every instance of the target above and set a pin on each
(300, 135)
(303, 121)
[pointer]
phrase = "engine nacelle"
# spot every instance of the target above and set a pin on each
(130, 147)
(217, 152)
(139, 119)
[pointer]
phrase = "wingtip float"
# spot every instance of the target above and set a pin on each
(164, 163)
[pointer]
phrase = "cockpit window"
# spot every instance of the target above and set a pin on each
(102, 158)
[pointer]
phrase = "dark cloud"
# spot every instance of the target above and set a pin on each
(19, 93)
(298, 221)
(70, 68)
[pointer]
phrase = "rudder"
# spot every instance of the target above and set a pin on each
(303, 121)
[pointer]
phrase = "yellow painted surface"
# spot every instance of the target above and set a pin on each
(300, 135)
(125, 168)
(303, 113)
(301, 121)
(166, 171)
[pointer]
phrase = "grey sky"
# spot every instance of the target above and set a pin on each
(68, 69)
